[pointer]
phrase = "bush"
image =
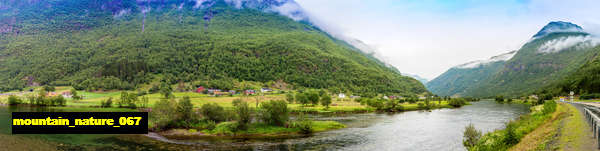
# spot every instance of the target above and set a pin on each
(471, 136)
(274, 112)
(589, 96)
(510, 136)
(499, 99)
(107, 103)
(302, 98)
(213, 112)
(226, 128)
(290, 98)
(58, 101)
(14, 100)
(244, 114)
(549, 107)
(457, 102)
(162, 114)
(304, 124)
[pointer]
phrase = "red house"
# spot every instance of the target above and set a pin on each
(200, 89)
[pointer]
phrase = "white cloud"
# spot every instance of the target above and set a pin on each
(428, 37)
(478, 63)
(563, 43)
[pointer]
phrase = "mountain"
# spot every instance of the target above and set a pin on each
(124, 44)
(557, 50)
(459, 78)
(417, 77)
(585, 80)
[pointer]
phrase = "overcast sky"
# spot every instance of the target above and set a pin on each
(427, 37)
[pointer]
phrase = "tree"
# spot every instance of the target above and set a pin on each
(313, 97)
(163, 113)
(326, 100)
(14, 100)
(144, 101)
(185, 109)
(243, 112)
(499, 98)
(302, 98)
(290, 98)
(213, 112)
(471, 136)
(75, 96)
(274, 112)
(166, 90)
(48, 88)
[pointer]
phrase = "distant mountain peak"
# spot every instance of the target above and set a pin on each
(558, 26)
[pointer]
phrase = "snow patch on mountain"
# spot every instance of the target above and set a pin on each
(474, 64)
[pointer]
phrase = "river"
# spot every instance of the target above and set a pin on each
(416, 130)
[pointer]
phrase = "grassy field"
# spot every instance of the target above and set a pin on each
(255, 130)
(93, 99)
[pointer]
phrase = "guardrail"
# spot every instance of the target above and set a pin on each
(591, 114)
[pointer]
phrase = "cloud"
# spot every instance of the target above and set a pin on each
(478, 63)
(122, 12)
(564, 43)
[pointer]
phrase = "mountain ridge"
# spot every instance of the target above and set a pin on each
(84, 45)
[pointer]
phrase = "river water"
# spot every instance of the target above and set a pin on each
(437, 130)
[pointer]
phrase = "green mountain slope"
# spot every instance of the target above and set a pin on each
(558, 50)
(585, 80)
(121, 44)
(530, 70)
(458, 79)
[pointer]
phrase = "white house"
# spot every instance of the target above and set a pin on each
(342, 95)
(263, 90)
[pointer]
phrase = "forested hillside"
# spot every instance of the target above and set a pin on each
(122, 44)
(456, 80)
(585, 80)
(556, 51)
(530, 70)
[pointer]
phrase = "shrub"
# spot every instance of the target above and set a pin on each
(457, 102)
(510, 136)
(58, 101)
(549, 107)
(290, 98)
(163, 113)
(14, 100)
(107, 103)
(499, 98)
(213, 112)
(302, 98)
(226, 128)
(274, 112)
(75, 96)
(304, 124)
(471, 136)
(243, 112)
(589, 96)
